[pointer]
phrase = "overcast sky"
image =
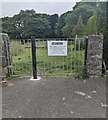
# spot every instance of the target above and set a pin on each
(10, 8)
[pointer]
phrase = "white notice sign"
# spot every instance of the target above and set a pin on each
(57, 48)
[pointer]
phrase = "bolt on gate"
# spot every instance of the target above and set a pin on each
(47, 65)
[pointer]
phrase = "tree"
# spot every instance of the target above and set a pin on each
(53, 21)
(86, 10)
(38, 27)
(27, 23)
(61, 23)
(96, 24)
(79, 28)
(91, 26)
(70, 22)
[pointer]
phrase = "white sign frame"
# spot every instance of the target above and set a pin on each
(57, 48)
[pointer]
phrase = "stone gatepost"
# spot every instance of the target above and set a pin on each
(5, 56)
(94, 55)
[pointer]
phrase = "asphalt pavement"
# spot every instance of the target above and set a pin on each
(58, 97)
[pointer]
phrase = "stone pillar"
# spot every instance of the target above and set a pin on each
(94, 55)
(5, 57)
(1, 42)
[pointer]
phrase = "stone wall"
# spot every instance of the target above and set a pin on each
(5, 57)
(94, 55)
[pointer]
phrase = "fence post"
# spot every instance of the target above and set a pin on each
(86, 45)
(34, 57)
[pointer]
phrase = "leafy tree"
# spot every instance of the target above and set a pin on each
(96, 22)
(79, 28)
(61, 23)
(91, 26)
(27, 23)
(53, 22)
(86, 10)
(37, 27)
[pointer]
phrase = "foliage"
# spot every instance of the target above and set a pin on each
(79, 27)
(28, 23)
(91, 26)
(61, 23)
(97, 24)
(80, 44)
(53, 21)
(78, 18)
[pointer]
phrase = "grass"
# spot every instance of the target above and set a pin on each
(46, 65)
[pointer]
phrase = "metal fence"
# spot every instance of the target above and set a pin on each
(68, 65)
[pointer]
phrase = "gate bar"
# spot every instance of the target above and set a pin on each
(34, 57)
(86, 45)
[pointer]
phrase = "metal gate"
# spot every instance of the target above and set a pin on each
(68, 65)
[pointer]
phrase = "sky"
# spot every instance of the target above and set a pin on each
(12, 7)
